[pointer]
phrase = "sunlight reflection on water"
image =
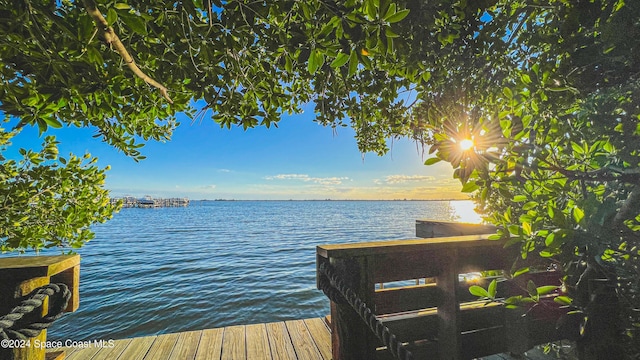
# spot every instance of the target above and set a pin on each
(463, 211)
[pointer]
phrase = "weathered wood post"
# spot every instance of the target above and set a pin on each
(449, 343)
(351, 338)
(19, 276)
(348, 331)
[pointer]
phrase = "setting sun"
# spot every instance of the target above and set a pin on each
(466, 144)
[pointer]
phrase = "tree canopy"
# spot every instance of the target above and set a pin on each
(549, 98)
(545, 91)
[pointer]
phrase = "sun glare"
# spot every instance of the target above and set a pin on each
(466, 144)
(464, 212)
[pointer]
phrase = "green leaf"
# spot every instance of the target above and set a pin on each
(53, 122)
(112, 16)
(135, 23)
(313, 63)
(288, 64)
(432, 161)
(366, 62)
(478, 291)
(578, 214)
(371, 8)
(514, 229)
(513, 301)
(520, 198)
(353, 63)
(122, 6)
(397, 16)
(470, 186)
(340, 60)
(529, 205)
(391, 10)
(493, 287)
(534, 106)
(390, 33)
(550, 239)
(577, 147)
(532, 289)
(543, 290)
(556, 216)
(507, 92)
(521, 271)
(563, 300)
(94, 55)
(426, 76)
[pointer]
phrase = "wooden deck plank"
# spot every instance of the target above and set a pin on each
(234, 343)
(302, 341)
(186, 346)
(162, 347)
(294, 340)
(112, 353)
(137, 348)
(83, 354)
(320, 335)
(280, 342)
(210, 346)
(307, 339)
(67, 351)
(257, 342)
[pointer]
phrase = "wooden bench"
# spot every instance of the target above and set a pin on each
(441, 319)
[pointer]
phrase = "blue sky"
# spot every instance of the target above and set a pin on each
(298, 160)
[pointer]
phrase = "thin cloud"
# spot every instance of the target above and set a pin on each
(307, 178)
(401, 179)
(288, 177)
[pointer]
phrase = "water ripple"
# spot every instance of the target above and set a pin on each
(213, 264)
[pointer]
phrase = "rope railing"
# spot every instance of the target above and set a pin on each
(11, 326)
(337, 291)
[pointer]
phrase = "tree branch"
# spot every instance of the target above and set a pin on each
(599, 175)
(114, 41)
(629, 208)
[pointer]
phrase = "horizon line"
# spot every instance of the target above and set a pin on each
(449, 199)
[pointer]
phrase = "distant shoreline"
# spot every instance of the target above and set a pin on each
(394, 200)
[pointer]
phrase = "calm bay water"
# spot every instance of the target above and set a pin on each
(213, 264)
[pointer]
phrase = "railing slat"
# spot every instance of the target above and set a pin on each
(438, 320)
(393, 300)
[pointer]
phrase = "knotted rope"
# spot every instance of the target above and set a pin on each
(12, 328)
(336, 290)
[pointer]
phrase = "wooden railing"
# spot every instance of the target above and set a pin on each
(439, 320)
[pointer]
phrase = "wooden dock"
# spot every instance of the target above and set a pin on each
(149, 202)
(308, 339)
(295, 340)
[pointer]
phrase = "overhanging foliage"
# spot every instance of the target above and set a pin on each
(547, 90)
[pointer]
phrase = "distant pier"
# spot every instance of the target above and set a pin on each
(149, 202)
